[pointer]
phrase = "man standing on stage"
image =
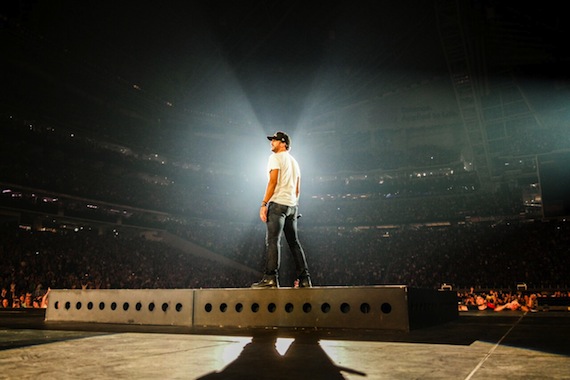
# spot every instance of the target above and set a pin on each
(279, 211)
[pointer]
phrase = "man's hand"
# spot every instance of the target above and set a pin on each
(263, 214)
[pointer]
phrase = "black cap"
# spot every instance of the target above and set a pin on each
(281, 136)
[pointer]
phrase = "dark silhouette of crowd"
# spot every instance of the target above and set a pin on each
(481, 256)
(33, 262)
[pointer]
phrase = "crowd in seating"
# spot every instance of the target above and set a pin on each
(480, 256)
(498, 300)
(87, 169)
(33, 262)
(474, 254)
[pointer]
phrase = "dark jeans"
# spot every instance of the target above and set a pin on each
(283, 218)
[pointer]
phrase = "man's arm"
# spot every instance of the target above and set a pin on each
(269, 191)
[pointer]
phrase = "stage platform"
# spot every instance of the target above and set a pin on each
(474, 346)
(394, 307)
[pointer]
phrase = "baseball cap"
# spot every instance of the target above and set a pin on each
(281, 136)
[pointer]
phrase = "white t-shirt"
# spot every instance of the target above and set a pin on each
(289, 171)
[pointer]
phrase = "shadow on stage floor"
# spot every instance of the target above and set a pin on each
(263, 349)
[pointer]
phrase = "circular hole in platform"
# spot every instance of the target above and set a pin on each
(365, 308)
(178, 307)
(386, 308)
(138, 306)
(101, 305)
(307, 307)
(114, 306)
(90, 305)
(56, 305)
(208, 307)
(67, 305)
(78, 305)
(289, 307)
(223, 307)
(126, 306)
(325, 308)
(344, 307)
(151, 306)
(271, 307)
(255, 307)
(239, 307)
(164, 306)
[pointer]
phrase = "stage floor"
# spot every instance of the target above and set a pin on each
(478, 345)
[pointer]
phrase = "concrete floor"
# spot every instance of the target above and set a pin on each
(478, 345)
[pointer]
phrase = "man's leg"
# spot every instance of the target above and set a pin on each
(290, 230)
(274, 224)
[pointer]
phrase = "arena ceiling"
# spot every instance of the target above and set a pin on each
(114, 68)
